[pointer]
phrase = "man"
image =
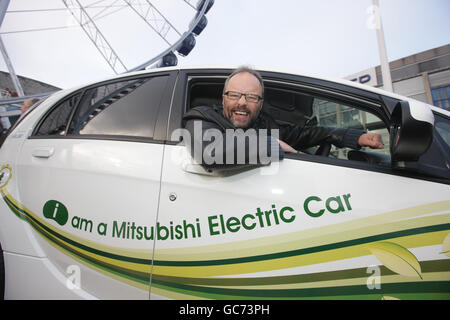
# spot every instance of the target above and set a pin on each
(242, 101)
(27, 104)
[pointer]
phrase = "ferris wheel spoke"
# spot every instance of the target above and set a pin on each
(87, 12)
(95, 35)
(107, 10)
(189, 2)
(185, 43)
(154, 18)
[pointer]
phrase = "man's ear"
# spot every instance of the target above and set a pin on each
(261, 105)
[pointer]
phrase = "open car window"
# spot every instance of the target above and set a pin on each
(287, 104)
(335, 114)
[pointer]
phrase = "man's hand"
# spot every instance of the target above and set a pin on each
(372, 140)
(286, 147)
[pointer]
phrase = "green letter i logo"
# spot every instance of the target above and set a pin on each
(55, 210)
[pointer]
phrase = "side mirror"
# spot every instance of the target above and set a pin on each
(411, 131)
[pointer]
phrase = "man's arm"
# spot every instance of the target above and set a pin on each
(297, 137)
(300, 137)
(211, 147)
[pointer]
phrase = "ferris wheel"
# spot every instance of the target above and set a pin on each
(178, 41)
(175, 24)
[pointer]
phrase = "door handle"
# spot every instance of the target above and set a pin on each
(45, 152)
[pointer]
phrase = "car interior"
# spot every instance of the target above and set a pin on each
(290, 106)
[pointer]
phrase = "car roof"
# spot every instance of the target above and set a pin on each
(282, 71)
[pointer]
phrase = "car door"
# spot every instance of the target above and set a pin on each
(307, 226)
(89, 179)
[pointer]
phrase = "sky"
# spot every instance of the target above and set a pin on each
(332, 38)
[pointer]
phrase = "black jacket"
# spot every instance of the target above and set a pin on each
(264, 145)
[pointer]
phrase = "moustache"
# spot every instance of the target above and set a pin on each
(240, 109)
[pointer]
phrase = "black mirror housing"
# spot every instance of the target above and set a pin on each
(411, 133)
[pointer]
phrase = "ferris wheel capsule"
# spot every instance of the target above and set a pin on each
(187, 45)
(200, 25)
(161, 20)
(169, 60)
(200, 4)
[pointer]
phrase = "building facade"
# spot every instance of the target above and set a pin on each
(424, 76)
(10, 112)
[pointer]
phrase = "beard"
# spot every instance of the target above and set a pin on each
(241, 117)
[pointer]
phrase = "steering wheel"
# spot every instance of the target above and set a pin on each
(324, 149)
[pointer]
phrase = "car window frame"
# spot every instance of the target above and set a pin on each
(162, 112)
(439, 146)
(375, 103)
(369, 104)
(438, 115)
(382, 111)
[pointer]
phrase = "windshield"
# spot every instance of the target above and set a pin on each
(442, 125)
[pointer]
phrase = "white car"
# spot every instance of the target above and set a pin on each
(101, 201)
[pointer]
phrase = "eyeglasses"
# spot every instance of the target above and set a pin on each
(249, 97)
